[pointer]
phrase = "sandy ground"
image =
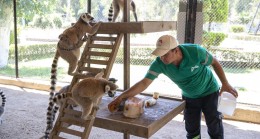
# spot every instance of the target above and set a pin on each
(24, 118)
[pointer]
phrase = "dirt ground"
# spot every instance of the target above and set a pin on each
(24, 118)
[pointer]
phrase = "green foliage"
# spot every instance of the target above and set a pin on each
(237, 29)
(238, 59)
(141, 56)
(28, 8)
(12, 37)
(244, 18)
(229, 58)
(47, 21)
(245, 37)
(57, 21)
(32, 52)
(212, 39)
(7, 70)
(6, 12)
(215, 11)
(42, 22)
(42, 72)
(243, 6)
(138, 56)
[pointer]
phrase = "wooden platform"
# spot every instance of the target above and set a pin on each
(151, 121)
(137, 27)
(93, 60)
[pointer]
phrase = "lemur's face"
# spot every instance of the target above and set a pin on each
(86, 17)
(111, 93)
(110, 89)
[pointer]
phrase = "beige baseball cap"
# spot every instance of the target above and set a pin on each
(164, 44)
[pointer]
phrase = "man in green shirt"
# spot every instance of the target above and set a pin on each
(187, 65)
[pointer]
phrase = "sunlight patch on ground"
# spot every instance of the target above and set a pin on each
(243, 125)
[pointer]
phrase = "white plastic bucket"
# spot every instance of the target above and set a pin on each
(227, 103)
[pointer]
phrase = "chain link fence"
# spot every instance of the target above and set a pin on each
(230, 32)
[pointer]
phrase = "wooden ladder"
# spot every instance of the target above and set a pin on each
(99, 53)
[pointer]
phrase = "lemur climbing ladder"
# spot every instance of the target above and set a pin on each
(99, 53)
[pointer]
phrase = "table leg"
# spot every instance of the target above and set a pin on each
(126, 135)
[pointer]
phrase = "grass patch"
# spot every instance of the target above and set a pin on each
(8, 70)
(32, 72)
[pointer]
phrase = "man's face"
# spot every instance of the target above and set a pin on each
(169, 57)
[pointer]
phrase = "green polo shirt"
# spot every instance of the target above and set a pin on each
(193, 76)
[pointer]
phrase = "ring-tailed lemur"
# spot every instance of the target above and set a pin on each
(2, 107)
(118, 5)
(85, 93)
(69, 46)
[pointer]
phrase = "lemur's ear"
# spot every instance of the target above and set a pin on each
(107, 88)
(63, 37)
(100, 74)
(60, 36)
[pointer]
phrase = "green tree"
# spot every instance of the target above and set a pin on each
(243, 6)
(6, 13)
(215, 11)
(26, 9)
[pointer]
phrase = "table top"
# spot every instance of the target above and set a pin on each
(137, 27)
(146, 125)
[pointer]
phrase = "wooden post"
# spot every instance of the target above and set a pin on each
(126, 14)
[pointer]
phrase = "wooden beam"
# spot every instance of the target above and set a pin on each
(137, 27)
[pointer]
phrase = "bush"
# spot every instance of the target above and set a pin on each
(57, 21)
(142, 56)
(237, 29)
(42, 22)
(32, 52)
(11, 37)
(245, 37)
(47, 21)
(138, 56)
(212, 39)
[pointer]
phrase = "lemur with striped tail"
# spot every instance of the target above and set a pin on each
(85, 93)
(2, 107)
(118, 5)
(68, 48)
(69, 45)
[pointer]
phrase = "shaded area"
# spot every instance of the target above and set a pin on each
(26, 109)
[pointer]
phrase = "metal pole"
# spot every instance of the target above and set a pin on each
(89, 6)
(190, 21)
(15, 41)
(253, 18)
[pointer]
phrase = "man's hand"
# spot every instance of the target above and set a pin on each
(114, 105)
(228, 88)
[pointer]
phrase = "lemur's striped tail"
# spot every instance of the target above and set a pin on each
(53, 76)
(52, 110)
(3, 98)
(110, 13)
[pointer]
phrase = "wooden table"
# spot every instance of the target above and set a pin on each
(151, 121)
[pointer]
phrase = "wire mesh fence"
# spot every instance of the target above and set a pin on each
(230, 32)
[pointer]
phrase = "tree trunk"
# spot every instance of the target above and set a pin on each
(4, 45)
(5, 26)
